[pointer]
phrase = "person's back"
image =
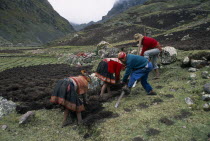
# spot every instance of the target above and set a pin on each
(135, 61)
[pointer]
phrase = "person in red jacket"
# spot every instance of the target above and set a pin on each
(105, 70)
(150, 50)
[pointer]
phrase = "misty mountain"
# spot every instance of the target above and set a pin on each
(119, 7)
(30, 22)
(169, 21)
(79, 27)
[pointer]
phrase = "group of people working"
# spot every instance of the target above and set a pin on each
(137, 68)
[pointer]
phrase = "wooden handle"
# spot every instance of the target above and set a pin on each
(118, 101)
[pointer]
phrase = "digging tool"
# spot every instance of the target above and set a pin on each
(118, 101)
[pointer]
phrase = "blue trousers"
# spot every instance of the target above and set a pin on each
(143, 75)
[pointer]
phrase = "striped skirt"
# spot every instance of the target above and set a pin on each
(65, 94)
(103, 74)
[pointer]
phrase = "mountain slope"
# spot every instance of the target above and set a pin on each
(31, 22)
(119, 7)
(167, 20)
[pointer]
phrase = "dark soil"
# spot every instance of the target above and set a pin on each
(159, 87)
(138, 139)
(152, 132)
(199, 38)
(183, 114)
(143, 105)
(127, 110)
(169, 96)
(31, 87)
(166, 121)
(157, 100)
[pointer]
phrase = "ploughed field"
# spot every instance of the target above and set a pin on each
(31, 88)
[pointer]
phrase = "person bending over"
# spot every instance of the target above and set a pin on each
(105, 72)
(137, 67)
(150, 50)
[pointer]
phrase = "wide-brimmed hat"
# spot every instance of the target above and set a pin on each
(138, 37)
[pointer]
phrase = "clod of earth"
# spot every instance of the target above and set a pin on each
(183, 114)
(169, 96)
(138, 139)
(157, 100)
(166, 121)
(159, 87)
(143, 105)
(127, 109)
(152, 132)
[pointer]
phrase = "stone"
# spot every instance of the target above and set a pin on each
(206, 88)
(168, 55)
(26, 117)
(186, 60)
(198, 63)
(6, 107)
(206, 107)
(189, 101)
(186, 37)
(192, 69)
(4, 127)
(206, 97)
(205, 74)
(192, 76)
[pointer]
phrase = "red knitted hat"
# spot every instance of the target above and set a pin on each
(121, 55)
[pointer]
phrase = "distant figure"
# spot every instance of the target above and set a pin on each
(150, 50)
(137, 68)
(67, 92)
(105, 70)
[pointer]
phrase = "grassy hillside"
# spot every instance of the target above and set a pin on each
(31, 22)
(166, 20)
(165, 117)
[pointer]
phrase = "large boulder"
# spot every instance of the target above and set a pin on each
(104, 50)
(168, 55)
(197, 60)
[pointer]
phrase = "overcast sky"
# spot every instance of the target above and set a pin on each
(82, 11)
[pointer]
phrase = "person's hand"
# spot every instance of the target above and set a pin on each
(123, 83)
(118, 82)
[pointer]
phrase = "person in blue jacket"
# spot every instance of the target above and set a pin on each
(137, 67)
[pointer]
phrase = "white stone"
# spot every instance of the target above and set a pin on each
(189, 101)
(192, 75)
(192, 69)
(186, 60)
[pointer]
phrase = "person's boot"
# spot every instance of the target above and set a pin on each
(152, 93)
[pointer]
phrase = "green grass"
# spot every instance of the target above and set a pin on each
(128, 125)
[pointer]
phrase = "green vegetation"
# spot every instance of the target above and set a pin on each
(172, 89)
(30, 22)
